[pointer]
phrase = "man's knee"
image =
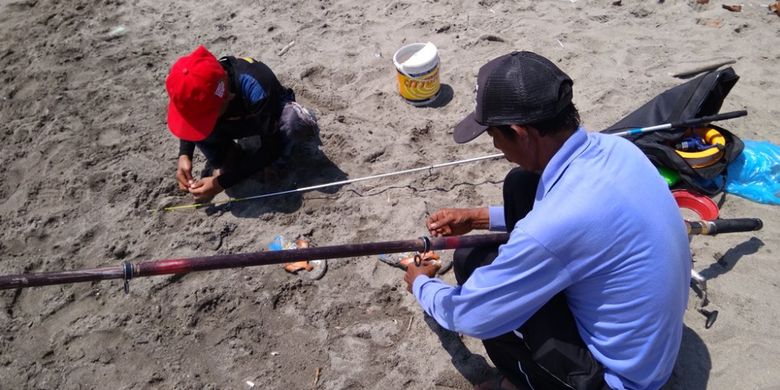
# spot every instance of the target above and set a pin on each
(466, 260)
(220, 154)
(460, 264)
(297, 123)
(519, 195)
(520, 178)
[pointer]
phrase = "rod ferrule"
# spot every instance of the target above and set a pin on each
(426, 248)
(426, 244)
(127, 274)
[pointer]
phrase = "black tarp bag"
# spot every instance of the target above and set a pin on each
(702, 96)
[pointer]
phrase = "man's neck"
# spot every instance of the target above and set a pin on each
(549, 146)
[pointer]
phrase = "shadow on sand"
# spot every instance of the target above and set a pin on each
(473, 367)
(729, 260)
(446, 94)
(308, 166)
(692, 370)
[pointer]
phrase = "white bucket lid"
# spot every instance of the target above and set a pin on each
(424, 58)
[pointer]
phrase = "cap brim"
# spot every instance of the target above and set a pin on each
(191, 129)
(468, 129)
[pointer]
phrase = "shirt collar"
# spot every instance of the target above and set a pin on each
(570, 150)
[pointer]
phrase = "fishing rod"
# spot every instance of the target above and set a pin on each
(667, 126)
(685, 123)
(128, 271)
(719, 226)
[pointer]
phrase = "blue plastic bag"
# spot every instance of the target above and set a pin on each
(755, 173)
(280, 243)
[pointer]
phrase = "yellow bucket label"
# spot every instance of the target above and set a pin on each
(422, 87)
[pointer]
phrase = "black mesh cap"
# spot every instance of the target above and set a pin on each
(517, 88)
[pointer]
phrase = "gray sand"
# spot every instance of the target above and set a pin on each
(86, 152)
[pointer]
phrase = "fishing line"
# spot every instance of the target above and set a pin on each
(631, 132)
(337, 183)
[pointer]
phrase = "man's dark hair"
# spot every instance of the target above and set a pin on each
(567, 120)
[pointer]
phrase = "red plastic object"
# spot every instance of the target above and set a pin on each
(700, 204)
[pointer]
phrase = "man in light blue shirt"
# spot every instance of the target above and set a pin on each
(590, 290)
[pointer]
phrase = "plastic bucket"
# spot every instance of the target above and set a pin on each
(417, 66)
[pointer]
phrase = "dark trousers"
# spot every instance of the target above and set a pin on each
(260, 142)
(546, 352)
(254, 147)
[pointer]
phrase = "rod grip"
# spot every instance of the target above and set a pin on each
(736, 225)
(708, 119)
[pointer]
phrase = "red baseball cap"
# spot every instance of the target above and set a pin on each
(196, 88)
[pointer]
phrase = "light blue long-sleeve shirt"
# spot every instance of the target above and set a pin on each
(604, 229)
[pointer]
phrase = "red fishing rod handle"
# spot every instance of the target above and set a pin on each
(426, 247)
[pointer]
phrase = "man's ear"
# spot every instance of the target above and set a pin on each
(521, 132)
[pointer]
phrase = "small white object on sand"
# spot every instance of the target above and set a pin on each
(286, 47)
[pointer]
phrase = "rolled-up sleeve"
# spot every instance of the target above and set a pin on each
(497, 221)
(499, 297)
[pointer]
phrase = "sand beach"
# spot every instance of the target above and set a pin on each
(85, 154)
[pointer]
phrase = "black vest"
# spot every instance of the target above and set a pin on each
(265, 113)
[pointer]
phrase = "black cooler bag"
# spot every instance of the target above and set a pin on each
(698, 97)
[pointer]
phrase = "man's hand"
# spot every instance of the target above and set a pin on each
(184, 173)
(205, 189)
(427, 268)
(455, 222)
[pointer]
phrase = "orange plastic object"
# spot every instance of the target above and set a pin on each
(296, 266)
(699, 204)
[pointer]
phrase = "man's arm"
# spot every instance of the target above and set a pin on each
(455, 222)
(497, 220)
(184, 165)
(499, 297)
(186, 148)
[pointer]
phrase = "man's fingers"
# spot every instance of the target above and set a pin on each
(443, 231)
(407, 279)
(184, 177)
(431, 266)
(438, 222)
(199, 194)
(196, 184)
